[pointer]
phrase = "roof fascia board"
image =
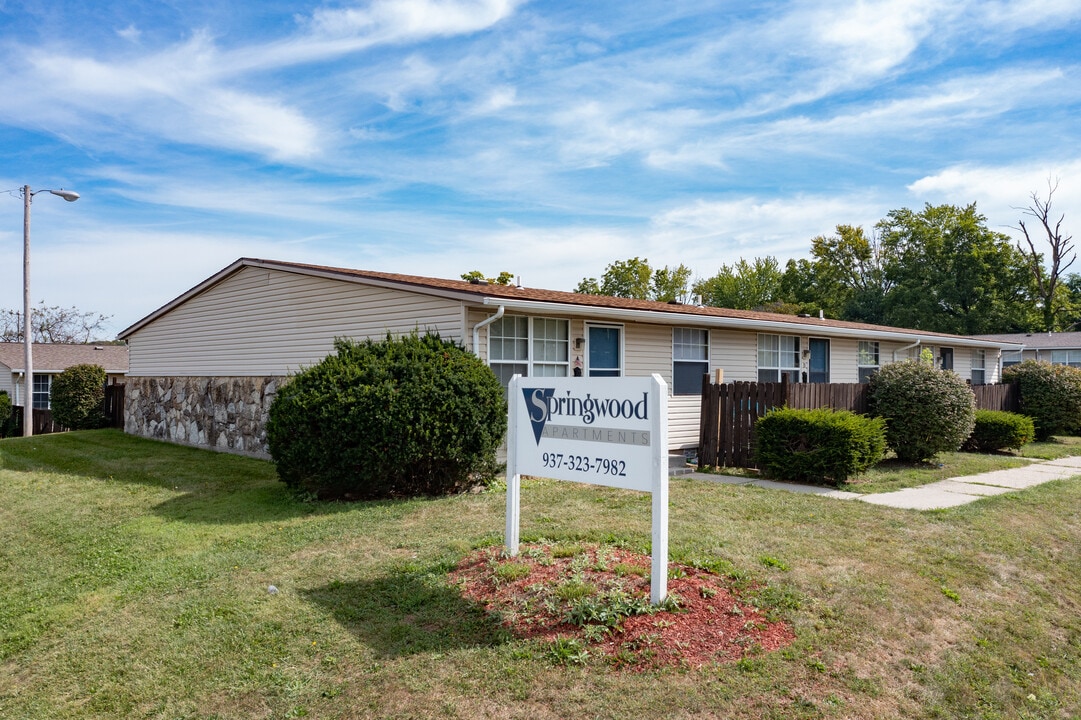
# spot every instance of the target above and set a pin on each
(676, 318)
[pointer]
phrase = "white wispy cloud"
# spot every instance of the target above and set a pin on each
(1001, 191)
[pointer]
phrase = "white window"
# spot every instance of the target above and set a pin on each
(551, 349)
(778, 355)
(690, 360)
(514, 350)
(979, 364)
(42, 386)
(868, 362)
(1066, 357)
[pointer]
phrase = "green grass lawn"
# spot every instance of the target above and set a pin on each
(134, 576)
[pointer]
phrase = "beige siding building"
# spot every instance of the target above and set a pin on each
(51, 359)
(204, 368)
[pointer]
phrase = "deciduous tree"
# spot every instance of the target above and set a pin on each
(635, 278)
(53, 325)
(945, 271)
(743, 285)
(503, 278)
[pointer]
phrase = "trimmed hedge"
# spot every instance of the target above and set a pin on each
(997, 430)
(820, 446)
(1050, 395)
(415, 415)
(927, 410)
(77, 397)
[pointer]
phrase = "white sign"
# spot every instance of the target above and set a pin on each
(602, 431)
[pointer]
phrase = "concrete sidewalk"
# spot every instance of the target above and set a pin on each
(933, 496)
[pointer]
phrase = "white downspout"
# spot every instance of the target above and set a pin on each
(906, 347)
(484, 323)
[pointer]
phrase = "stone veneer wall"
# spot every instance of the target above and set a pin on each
(222, 413)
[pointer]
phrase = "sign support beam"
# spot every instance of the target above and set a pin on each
(601, 431)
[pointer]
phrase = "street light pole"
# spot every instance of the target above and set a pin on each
(28, 335)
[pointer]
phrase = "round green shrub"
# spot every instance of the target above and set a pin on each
(822, 446)
(1050, 395)
(408, 416)
(77, 397)
(927, 410)
(997, 430)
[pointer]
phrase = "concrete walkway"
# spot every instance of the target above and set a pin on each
(933, 496)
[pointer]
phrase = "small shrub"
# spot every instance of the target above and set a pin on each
(1050, 395)
(927, 411)
(817, 446)
(416, 415)
(77, 397)
(996, 430)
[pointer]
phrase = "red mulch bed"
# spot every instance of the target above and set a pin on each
(712, 624)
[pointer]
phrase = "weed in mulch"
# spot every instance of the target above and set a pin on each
(592, 602)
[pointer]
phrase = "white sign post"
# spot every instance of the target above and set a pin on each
(602, 431)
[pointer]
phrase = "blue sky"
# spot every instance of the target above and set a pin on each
(545, 138)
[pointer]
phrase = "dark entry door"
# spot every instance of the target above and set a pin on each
(818, 369)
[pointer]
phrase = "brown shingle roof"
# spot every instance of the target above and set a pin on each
(599, 301)
(52, 358)
(493, 294)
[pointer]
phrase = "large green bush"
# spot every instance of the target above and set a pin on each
(7, 417)
(77, 397)
(927, 410)
(415, 415)
(997, 430)
(818, 446)
(1050, 395)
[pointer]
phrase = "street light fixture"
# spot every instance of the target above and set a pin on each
(28, 340)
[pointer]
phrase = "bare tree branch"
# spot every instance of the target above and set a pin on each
(1048, 278)
(53, 325)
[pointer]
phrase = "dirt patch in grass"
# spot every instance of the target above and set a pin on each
(592, 601)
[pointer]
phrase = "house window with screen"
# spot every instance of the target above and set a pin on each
(690, 360)
(531, 347)
(551, 349)
(868, 362)
(42, 385)
(979, 364)
(1066, 357)
(778, 355)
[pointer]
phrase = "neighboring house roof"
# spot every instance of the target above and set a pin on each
(569, 303)
(1040, 341)
(52, 358)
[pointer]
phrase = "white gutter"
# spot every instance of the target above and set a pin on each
(906, 347)
(686, 318)
(484, 323)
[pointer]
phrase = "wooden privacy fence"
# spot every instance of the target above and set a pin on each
(729, 411)
(114, 405)
(998, 397)
(43, 422)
